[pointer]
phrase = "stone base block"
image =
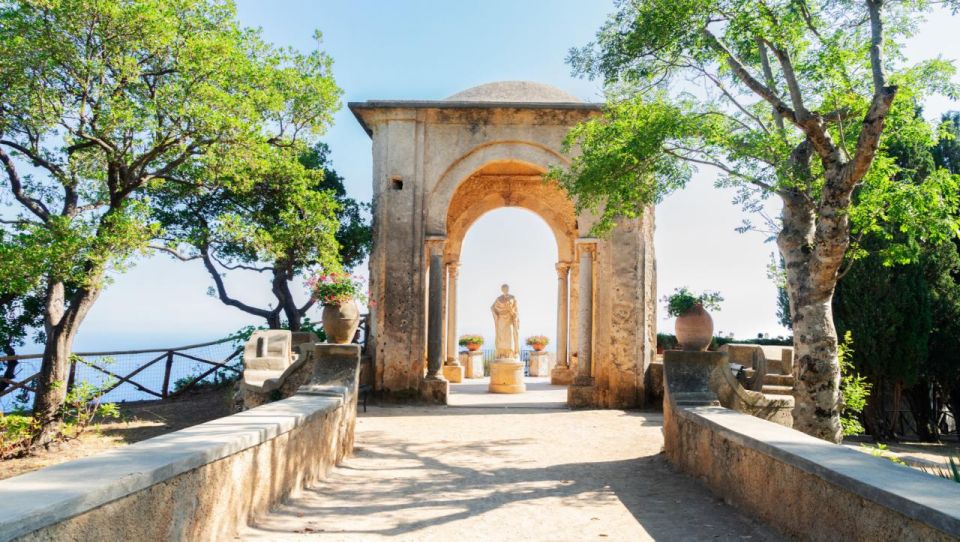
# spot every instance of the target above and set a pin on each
(539, 364)
(435, 390)
(473, 364)
(580, 394)
(453, 373)
(506, 376)
(561, 376)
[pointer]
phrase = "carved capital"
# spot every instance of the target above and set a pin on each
(563, 268)
(587, 245)
(453, 269)
(434, 245)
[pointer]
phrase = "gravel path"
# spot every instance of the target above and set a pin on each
(457, 474)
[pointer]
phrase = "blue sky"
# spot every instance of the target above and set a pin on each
(430, 50)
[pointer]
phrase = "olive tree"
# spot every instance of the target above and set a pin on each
(783, 98)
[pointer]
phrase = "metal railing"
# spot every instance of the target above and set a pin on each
(130, 375)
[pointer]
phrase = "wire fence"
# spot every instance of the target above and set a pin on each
(131, 375)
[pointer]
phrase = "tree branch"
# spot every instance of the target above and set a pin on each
(749, 80)
(222, 289)
(16, 186)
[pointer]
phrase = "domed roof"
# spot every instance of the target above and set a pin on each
(514, 92)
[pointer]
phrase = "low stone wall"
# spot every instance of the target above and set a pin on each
(200, 483)
(805, 487)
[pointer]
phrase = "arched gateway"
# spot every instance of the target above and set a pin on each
(437, 167)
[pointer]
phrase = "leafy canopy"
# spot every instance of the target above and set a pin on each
(736, 86)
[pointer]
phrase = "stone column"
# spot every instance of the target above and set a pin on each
(434, 249)
(562, 374)
(453, 270)
(452, 369)
(580, 394)
(563, 297)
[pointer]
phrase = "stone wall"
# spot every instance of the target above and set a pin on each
(807, 488)
(200, 483)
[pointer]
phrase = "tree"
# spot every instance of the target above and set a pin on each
(895, 308)
(788, 99)
(286, 220)
(102, 100)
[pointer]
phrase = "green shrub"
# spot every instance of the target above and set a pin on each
(854, 389)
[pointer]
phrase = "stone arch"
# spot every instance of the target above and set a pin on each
(509, 184)
(535, 157)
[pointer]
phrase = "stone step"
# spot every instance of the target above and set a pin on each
(777, 390)
(778, 380)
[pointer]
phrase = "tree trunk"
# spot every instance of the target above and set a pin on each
(61, 321)
(285, 301)
(816, 366)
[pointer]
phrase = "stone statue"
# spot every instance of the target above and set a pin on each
(506, 318)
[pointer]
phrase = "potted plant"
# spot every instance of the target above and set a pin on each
(694, 326)
(338, 293)
(471, 342)
(537, 342)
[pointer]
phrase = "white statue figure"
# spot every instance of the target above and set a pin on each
(506, 318)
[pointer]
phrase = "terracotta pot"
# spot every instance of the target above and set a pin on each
(473, 347)
(340, 322)
(694, 329)
(537, 346)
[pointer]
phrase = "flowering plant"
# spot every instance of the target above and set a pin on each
(542, 340)
(682, 300)
(470, 339)
(336, 288)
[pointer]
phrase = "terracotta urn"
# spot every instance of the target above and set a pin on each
(538, 346)
(340, 322)
(473, 347)
(694, 329)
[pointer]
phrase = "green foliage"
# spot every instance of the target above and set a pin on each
(854, 390)
(81, 409)
(337, 288)
(219, 379)
(466, 340)
(666, 341)
(905, 315)
(16, 431)
(354, 234)
(682, 300)
(881, 451)
(538, 339)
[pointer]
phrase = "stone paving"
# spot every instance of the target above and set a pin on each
(470, 473)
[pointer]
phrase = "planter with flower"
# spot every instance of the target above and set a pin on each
(694, 326)
(338, 293)
(537, 342)
(471, 342)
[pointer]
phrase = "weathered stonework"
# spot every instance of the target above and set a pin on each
(438, 167)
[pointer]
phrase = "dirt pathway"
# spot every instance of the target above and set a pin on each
(462, 474)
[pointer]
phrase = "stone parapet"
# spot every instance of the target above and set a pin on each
(823, 491)
(200, 483)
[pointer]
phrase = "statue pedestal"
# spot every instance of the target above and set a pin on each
(506, 376)
(539, 363)
(472, 363)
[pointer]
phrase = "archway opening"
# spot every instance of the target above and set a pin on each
(513, 246)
